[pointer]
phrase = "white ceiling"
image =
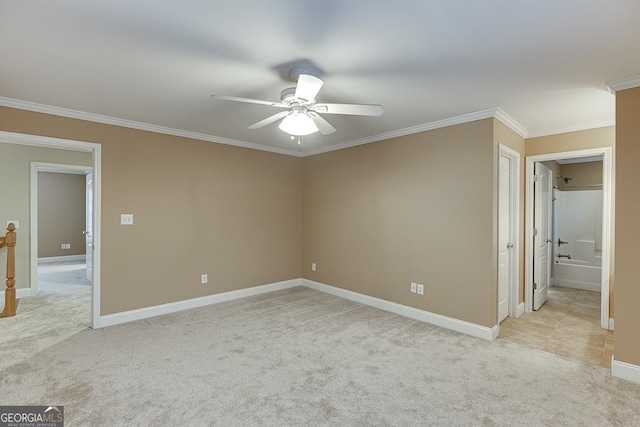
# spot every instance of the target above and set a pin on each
(544, 63)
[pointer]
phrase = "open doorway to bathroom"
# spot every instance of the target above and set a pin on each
(567, 253)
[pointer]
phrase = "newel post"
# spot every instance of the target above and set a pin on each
(10, 292)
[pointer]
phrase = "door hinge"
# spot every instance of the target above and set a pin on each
(536, 178)
(535, 286)
(535, 232)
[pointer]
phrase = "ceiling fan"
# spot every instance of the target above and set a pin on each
(301, 116)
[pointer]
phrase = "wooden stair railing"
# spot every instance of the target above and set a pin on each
(9, 240)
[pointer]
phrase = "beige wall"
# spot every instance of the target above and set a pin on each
(198, 207)
(61, 213)
(582, 140)
(627, 344)
(571, 141)
(583, 175)
(15, 170)
(503, 135)
(416, 208)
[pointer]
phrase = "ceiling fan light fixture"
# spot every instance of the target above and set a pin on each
(298, 124)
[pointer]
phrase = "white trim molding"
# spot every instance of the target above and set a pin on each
(622, 84)
(611, 323)
(457, 325)
(515, 228)
(62, 258)
(626, 371)
(520, 311)
(465, 118)
(97, 118)
(173, 307)
(506, 120)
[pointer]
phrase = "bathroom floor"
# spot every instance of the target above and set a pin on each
(568, 325)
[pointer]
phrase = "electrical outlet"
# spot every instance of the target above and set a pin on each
(313, 266)
(126, 219)
(420, 289)
(204, 279)
(67, 246)
(414, 287)
(62, 246)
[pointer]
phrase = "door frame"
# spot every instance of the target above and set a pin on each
(515, 308)
(96, 154)
(607, 208)
(33, 210)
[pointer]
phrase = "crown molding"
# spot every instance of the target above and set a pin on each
(622, 84)
(496, 113)
(574, 128)
(97, 118)
(508, 121)
(465, 118)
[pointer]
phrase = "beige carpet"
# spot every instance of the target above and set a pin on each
(300, 357)
(61, 309)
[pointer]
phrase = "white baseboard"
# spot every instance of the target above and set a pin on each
(457, 325)
(20, 293)
(520, 310)
(626, 371)
(610, 324)
(575, 284)
(62, 258)
(173, 307)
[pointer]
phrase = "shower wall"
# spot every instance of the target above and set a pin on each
(578, 220)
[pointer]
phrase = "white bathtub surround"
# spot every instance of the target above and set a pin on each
(579, 223)
(585, 250)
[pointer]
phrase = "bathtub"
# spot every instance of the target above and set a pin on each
(577, 274)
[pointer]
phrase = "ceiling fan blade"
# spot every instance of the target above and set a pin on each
(308, 87)
(324, 126)
(269, 120)
(250, 101)
(350, 109)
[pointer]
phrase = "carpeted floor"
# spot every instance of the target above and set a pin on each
(61, 309)
(300, 357)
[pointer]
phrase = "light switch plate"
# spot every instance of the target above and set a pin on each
(126, 219)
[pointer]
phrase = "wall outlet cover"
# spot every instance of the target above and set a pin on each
(126, 219)
(414, 287)
(15, 222)
(420, 289)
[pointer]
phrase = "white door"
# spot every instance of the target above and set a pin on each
(89, 225)
(505, 240)
(542, 238)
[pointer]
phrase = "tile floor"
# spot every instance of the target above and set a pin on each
(568, 325)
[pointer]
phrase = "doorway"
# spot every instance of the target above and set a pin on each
(61, 200)
(530, 229)
(63, 144)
